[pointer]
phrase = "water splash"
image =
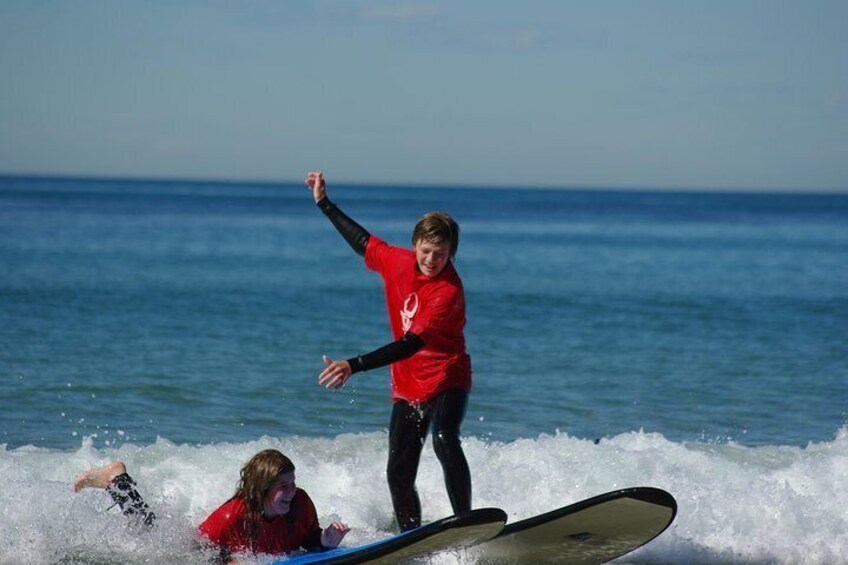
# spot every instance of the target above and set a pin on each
(737, 504)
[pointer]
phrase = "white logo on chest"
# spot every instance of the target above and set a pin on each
(407, 313)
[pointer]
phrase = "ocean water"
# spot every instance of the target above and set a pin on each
(691, 341)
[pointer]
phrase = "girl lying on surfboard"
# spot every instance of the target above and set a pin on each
(267, 513)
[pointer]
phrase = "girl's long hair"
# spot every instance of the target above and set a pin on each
(257, 477)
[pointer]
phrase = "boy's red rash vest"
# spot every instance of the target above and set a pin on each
(431, 308)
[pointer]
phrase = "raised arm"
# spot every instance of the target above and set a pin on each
(355, 235)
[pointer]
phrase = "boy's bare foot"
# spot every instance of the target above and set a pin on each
(99, 477)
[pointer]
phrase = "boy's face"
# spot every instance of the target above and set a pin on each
(432, 257)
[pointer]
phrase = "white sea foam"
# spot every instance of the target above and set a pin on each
(775, 504)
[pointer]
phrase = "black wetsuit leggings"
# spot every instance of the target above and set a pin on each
(407, 433)
(123, 492)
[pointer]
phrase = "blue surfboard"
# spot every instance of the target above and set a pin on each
(466, 529)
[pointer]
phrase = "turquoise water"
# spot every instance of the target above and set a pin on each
(180, 325)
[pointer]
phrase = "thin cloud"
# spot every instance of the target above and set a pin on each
(526, 38)
(408, 12)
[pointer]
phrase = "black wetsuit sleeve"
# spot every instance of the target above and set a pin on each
(398, 350)
(355, 235)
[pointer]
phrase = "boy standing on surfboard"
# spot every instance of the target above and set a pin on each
(430, 369)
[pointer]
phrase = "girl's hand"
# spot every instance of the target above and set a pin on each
(335, 375)
(315, 182)
(333, 534)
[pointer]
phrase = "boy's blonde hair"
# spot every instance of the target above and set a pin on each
(437, 227)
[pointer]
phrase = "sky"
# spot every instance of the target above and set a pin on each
(715, 95)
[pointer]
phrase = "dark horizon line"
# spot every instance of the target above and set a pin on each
(434, 185)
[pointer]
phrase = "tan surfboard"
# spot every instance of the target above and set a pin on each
(590, 532)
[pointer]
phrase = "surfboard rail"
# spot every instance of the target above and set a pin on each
(468, 528)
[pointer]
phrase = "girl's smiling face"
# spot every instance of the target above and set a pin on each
(279, 497)
(431, 257)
